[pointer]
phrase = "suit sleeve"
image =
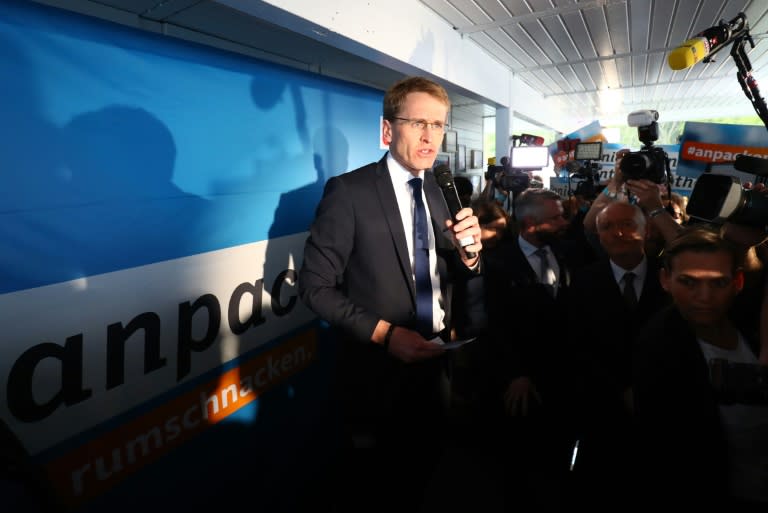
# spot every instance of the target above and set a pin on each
(326, 255)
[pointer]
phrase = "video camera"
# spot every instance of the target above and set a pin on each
(717, 198)
(514, 173)
(651, 162)
(745, 383)
(584, 170)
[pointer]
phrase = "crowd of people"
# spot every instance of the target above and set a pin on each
(588, 382)
(604, 385)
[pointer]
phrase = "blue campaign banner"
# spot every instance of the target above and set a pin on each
(608, 161)
(681, 184)
(706, 144)
(121, 149)
(155, 200)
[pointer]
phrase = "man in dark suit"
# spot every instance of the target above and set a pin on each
(527, 277)
(361, 273)
(609, 301)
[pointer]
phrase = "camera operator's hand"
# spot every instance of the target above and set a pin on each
(759, 187)
(518, 393)
(647, 192)
(650, 197)
(613, 191)
(618, 176)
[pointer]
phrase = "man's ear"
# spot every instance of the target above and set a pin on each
(386, 132)
(738, 280)
(664, 278)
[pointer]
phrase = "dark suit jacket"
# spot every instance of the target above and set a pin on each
(524, 328)
(681, 438)
(357, 270)
(603, 327)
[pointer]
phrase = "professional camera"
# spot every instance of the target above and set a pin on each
(717, 198)
(514, 173)
(514, 181)
(506, 178)
(745, 383)
(650, 162)
(585, 172)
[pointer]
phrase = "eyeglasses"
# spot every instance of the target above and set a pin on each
(421, 124)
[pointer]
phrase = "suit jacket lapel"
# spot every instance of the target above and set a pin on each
(392, 216)
(525, 272)
(437, 208)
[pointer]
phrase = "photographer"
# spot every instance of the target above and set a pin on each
(494, 189)
(647, 194)
(683, 428)
(613, 191)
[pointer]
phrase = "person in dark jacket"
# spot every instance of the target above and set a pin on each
(698, 452)
(609, 301)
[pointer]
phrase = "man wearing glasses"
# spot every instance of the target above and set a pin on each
(381, 265)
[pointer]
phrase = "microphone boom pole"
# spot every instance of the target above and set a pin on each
(746, 79)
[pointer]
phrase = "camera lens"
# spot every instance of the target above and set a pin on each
(635, 165)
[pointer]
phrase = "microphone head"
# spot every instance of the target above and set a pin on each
(443, 176)
(688, 54)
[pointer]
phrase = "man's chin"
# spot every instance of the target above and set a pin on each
(550, 237)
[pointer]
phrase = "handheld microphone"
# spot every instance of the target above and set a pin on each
(707, 42)
(445, 181)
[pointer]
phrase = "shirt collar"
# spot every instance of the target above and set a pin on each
(640, 270)
(527, 248)
(398, 173)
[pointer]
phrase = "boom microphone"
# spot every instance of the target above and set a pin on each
(445, 181)
(707, 42)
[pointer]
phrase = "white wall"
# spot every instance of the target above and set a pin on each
(406, 35)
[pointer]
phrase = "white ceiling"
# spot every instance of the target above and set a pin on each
(606, 58)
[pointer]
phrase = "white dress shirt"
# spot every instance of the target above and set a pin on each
(400, 177)
(529, 250)
(640, 271)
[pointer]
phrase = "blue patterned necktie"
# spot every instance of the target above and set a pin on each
(421, 261)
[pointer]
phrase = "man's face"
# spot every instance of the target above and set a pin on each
(619, 232)
(415, 149)
(702, 285)
(552, 224)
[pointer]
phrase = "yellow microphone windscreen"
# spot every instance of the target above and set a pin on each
(688, 54)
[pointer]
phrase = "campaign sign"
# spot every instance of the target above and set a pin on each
(707, 147)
